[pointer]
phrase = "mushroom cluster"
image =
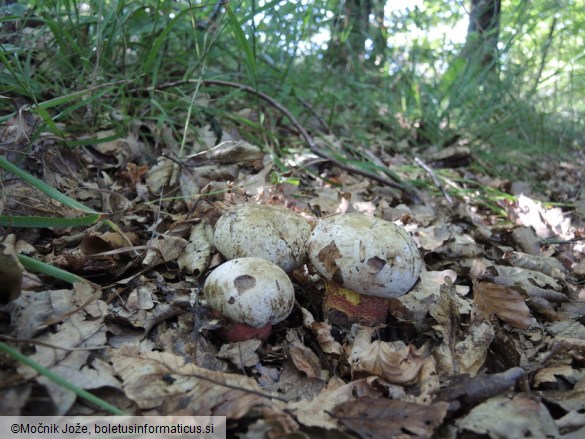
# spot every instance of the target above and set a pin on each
(365, 261)
(252, 290)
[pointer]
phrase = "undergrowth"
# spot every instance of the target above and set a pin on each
(77, 75)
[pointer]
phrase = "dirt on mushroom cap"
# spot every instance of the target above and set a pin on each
(365, 254)
(251, 291)
(273, 233)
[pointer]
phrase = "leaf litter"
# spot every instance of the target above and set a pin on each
(490, 341)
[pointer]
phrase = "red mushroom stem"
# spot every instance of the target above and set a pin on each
(234, 332)
(344, 307)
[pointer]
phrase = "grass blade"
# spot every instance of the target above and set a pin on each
(47, 221)
(44, 187)
(159, 40)
(50, 270)
(243, 45)
(60, 380)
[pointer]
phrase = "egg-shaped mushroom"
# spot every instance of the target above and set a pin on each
(274, 233)
(367, 261)
(252, 293)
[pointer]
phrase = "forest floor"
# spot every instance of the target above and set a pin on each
(489, 343)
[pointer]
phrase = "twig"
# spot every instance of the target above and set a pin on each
(49, 345)
(302, 131)
(434, 177)
(315, 115)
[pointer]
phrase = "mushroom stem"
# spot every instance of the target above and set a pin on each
(234, 332)
(344, 307)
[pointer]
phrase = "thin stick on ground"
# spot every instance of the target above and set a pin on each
(434, 177)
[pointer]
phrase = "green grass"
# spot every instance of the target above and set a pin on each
(82, 393)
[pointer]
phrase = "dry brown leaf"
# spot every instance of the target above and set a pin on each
(568, 400)
(500, 417)
(460, 245)
(305, 360)
(160, 175)
(426, 293)
(462, 349)
(471, 352)
(174, 385)
(31, 312)
(228, 151)
(166, 248)
(70, 358)
(316, 412)
(197, 254)
(433, 237)
(75, 332)
(472, 391)
(395, 362)
(242, 354)
(448, 318)
(97, 243)
(545, 264)
(545, 221)
(550, 373)
(322, 331)
(382, 418)
(502, 301)
(534, 283)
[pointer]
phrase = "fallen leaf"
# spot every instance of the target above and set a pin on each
(316, 412)
(166, 248)
(174, 385)
(242, 354)
(534, 283)
(395, 362)
(382, 418)
(160, 174)
(197, 254)
(502, 301)
(545, 264)
(550, 373)
(70, 358)
(433, 237)
(501, 417)
(545, 221)
(305, 360)
(322, 331)
(472, 351)
(448, 318)
(427, 292)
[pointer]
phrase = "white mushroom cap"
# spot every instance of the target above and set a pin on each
(253, 291)
(368, 255)
(270, 232)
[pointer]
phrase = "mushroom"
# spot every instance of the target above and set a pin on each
(367, 261)
(252, 293)
(270, 232)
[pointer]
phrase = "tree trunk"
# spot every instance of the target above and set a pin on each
(348, 37)
(483, 32)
